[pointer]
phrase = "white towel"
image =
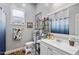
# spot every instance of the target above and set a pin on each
(28, 50)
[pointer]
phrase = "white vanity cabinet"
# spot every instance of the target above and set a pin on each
(46, 49)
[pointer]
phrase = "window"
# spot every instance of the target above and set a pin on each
(17, 17)
(18, 13)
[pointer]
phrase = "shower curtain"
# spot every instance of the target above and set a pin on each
(2, 31)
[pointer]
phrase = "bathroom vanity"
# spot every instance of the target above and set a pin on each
(58, 47)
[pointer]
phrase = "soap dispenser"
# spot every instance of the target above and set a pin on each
(72, 41)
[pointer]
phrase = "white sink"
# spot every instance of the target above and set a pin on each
(57, 41)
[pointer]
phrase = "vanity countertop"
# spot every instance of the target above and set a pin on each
(63, 45)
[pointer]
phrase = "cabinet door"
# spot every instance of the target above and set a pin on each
(43, 49)
(52, 51)
(55, 51)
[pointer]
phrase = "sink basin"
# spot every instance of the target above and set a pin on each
(58, 41)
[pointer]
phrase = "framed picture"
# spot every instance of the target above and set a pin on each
(16, 34)
(38, 19)
(29, 24)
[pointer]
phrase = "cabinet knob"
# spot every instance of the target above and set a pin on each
(49, 48)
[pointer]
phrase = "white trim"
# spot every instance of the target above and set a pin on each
(76, 24)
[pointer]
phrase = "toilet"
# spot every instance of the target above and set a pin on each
(29, 48)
